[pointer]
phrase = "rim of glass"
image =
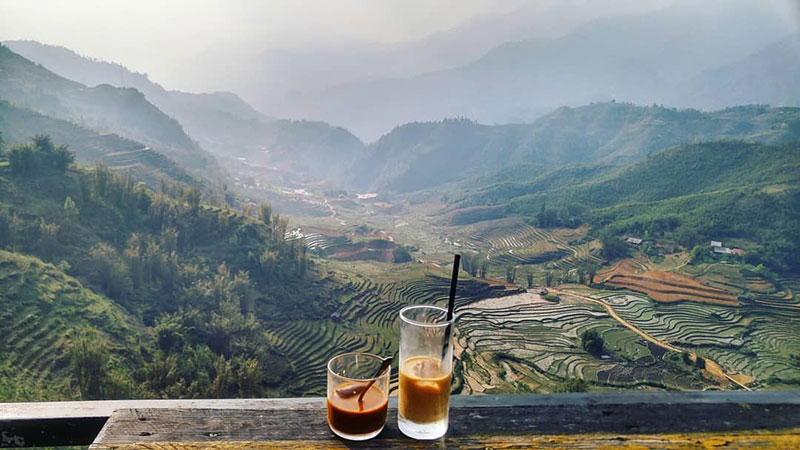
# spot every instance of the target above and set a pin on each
(408, 320)
(379, 358)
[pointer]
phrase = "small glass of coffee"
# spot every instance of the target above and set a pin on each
(357, 399)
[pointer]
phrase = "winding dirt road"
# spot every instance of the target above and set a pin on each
(711, 366)
(333, 211)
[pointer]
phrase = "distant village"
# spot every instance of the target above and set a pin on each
(715, 247)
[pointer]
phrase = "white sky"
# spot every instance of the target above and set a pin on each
(152, 34)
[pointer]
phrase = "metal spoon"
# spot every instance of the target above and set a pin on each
(361, 389)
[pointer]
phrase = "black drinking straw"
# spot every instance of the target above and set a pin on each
(451, 305)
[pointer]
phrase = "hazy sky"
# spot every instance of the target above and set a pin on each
(154, 36)
(151, 33)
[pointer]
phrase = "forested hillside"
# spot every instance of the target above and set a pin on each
(221, 121)
(421, 155)
(188, 285)
(692, 193)
(102, 108)
(53, 326)
(123, 155)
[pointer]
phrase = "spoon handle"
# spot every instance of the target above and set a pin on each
(386, 363)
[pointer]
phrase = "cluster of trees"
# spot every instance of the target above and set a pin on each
(569, 215)
(583, 274)
(689, 195)
(191, 272)
(592, 342)
(474, 264)
(38, 154)
(770, 220)
(613, 247)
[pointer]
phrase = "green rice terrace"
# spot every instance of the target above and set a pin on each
(44, 312)
(509, 340)
(516, 341)
(752, 340)
(366, 317)
(511, 241)
(526, 344)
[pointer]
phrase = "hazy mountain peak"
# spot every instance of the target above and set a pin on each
(422, 155)
(767, 76)
(93, 72)
(104, 108)
(637, 57)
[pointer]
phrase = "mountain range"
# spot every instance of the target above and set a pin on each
(90, 147)
(423, 155)
(411, 157)
(103, 108)
(221, 122)
(768, 76)
(269, 76)
(663, 57)
(687, 194)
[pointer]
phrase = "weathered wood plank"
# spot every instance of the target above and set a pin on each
(77, 423)
(743, 440)
(473, 420)
(44, 424)
(104, 408)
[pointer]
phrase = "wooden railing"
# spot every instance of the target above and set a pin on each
(475, 420)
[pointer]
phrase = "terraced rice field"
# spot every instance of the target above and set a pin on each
(782, 298)
(127, 157)
(366, 320)
(513, 242)
(753, 340)
(682, 325)
(777, 297)
(35, 298)
(523, 343)
(318, 238)
(664, 286)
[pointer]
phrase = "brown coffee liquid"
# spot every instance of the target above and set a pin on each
(424, 390)
(349, 416)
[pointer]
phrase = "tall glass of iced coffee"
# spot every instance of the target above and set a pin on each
(426, 365)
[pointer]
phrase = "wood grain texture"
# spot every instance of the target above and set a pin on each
(104, 408)
(43, 424)
(77, 423)
(744, 440)
(610, 421)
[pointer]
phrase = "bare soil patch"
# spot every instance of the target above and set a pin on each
(374, 250)
(664, 286)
